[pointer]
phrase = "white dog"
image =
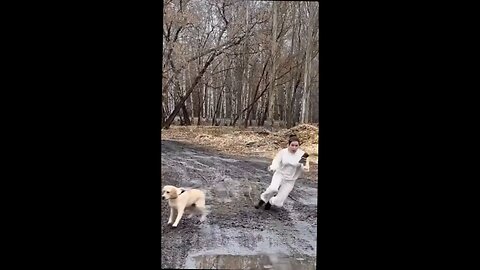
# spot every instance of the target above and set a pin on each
(180, 199)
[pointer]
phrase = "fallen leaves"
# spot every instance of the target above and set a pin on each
(256, 141)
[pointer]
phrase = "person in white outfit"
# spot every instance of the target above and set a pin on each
(288, 165)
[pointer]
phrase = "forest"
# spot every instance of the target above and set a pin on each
(240, 63)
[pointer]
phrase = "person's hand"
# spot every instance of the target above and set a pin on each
(303, 161)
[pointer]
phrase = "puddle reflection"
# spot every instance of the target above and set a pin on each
(277, 262)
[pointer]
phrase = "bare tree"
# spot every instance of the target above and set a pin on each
(272, 93)
(231, 60)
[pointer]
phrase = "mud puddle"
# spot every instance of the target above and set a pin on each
(235, 234)
(264, 261)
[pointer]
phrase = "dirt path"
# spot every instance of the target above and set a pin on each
(235, 234)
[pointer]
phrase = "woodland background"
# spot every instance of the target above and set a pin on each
(240, 63)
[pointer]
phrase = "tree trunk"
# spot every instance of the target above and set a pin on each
(306, 87)
(217, 108)
(239, 85)
(186, 117)
(200, 103)
(205, 100)
(182, 100)
(272, 93)
(255, 94)
(163, 115)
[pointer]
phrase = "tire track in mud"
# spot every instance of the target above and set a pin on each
(233, 226)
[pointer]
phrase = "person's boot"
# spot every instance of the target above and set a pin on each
(260, 203)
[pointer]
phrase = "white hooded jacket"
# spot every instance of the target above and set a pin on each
(287, 164)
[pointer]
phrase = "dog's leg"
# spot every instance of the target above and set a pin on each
(179, 216)
(190, 211)
(204, 214)
(170, 219)
(196, 211)
(200, 206)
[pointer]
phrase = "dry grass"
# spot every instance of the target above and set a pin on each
(253, 141)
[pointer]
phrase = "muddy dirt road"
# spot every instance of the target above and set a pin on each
(235, 234)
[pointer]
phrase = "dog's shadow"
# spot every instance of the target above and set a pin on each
(193, 223)
(187, 223)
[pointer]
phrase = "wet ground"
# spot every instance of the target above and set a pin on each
(235, 235)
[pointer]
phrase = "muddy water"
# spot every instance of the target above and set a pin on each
(235, 234)
(254, 262)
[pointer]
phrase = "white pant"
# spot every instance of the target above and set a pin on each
(280, 185)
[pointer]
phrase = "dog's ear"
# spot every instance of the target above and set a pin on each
(173, 193)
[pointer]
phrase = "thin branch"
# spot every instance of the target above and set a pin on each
(223, 70)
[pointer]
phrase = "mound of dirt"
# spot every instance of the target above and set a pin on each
(256, 141)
